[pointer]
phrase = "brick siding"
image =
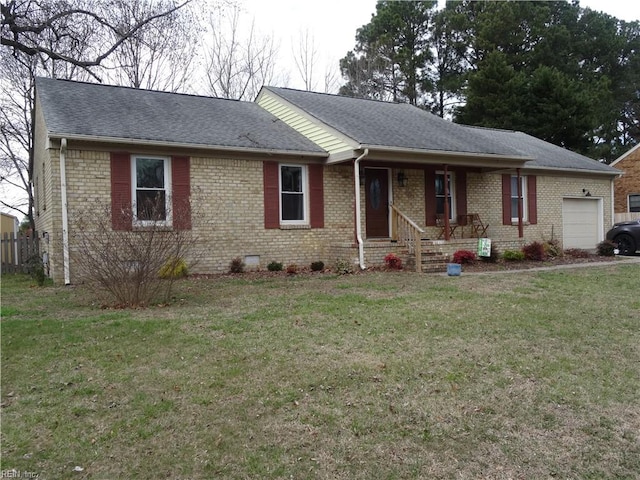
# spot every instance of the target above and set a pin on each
(629, 183)
(228, 210)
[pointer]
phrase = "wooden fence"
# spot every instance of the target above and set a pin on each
(626, 217)
(15, 251)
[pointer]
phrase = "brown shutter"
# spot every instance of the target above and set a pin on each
(430, 197)
(461, 193)
(506, 199)
(270, 172)
(532, 199)
(316, 195)
(121, 208)
(181, 185)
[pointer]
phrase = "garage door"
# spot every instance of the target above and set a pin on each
(581, 223)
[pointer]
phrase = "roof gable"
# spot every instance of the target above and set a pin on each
(109, 112)
(321, 134)
(373, 123)
(403, 126)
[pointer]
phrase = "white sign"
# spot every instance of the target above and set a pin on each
(484, 247)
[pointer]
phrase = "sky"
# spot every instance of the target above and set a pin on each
(333, 24)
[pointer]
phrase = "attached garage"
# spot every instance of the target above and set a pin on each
(582, 222)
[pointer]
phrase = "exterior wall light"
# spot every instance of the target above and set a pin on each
(402, 179)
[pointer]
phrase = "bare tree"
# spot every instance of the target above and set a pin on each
(331, 78)
(60, 39)
(237, 66)
(17, 80)
(85, 24)
(160, 55)
(16, 103)
(305, 59)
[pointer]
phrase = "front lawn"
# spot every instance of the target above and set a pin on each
(384, 375)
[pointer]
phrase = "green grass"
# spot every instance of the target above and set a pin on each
(375, 376)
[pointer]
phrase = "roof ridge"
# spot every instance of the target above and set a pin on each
(480, 127)
(128, 87)
(386, 102)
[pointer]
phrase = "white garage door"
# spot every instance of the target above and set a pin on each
(581, 223)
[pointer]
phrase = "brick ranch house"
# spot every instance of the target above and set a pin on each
(627, 187)
(298, 176)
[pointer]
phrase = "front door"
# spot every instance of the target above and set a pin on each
(377, 204)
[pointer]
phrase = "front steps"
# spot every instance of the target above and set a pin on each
(436, 254)
(434, 262)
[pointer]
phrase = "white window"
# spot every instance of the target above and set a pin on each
(293, 194)
(634, 203)
(514, 198)
(440, 197)
(151, 182)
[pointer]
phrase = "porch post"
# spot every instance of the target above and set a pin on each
(356, 181)
(520, 206)
(447, 207)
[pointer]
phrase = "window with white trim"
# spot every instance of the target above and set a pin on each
(440, 197)
(514, 198)
(151, 185)
(293, 194)
(634, 202)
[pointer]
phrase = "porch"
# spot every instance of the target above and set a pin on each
(426, 212)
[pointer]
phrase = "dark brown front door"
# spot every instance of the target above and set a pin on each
(377, 204)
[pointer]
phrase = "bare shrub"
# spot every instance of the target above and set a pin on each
(534, 251)
(236, 265)
(128, 265)
(606, 248)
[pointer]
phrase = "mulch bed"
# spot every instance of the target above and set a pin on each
(476, 266)
(501, 265)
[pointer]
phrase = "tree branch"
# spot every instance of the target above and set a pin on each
(18, 41)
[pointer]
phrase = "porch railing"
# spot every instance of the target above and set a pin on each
(407, 233)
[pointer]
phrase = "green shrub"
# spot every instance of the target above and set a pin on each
(343, 267)
(174, 268)
(236, 265)
(35, 267)
(513, 255)
(534, 251)
(606, 248)
(275, 266)
(317, 266)
(464, 257)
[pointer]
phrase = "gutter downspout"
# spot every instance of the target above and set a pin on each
(613, 207)
(520, 206)
(356, 176)
(65, 216)
(447, 207)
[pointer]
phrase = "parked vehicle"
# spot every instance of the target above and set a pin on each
(626, 235)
